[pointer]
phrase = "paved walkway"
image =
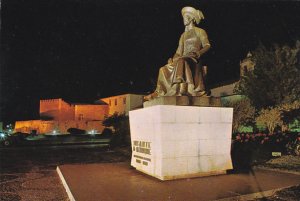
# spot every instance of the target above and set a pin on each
(118, 181)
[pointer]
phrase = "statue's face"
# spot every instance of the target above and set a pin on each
(187, 19)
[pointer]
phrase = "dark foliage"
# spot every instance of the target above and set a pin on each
(121, 131)
(76, 131)
(252, 149)
(276, 76)
(107, 132)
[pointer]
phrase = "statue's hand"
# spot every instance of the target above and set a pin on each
(193, 55)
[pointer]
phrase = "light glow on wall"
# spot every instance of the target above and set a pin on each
(93, 132)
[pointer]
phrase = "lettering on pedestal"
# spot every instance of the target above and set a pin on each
(143, 148)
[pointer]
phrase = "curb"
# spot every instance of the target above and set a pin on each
(70, 195)
(262, 194)
(277, 170)
(252, 196)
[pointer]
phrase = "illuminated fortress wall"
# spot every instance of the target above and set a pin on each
(49, 109)
(56, 109)
(57, 115)
(56, 127)
(66, 111)
(27, 126)
(90, 112)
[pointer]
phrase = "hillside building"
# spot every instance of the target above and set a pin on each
(227, 91)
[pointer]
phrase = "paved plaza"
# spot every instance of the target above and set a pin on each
(119, 181)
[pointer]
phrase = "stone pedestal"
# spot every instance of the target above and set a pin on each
(171, 142)
(203, 101)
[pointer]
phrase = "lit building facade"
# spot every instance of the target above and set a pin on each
(122, 104)
(57, 115)
(247, 65)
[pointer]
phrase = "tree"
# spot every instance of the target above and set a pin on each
(289, 113)
(270, 118)
(120, 125)
(275, 79)
(243, 113)
(119, 122)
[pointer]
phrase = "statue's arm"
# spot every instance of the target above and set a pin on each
(179, 50)
(204, 42)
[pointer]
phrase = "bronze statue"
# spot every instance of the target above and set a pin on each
(183, 75)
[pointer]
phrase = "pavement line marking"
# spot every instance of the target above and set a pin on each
(234, 193)
(251, 196)
(61, 176)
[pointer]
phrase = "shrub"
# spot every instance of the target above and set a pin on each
(76, 131)
(120, 125)
(107, 132)
(243, 113)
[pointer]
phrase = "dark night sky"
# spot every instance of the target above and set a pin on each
(82, 50)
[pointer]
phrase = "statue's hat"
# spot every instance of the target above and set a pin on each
(197, 14)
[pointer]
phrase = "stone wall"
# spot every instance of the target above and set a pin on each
(226, 90)
(58, 115)
(66, 111)
(56, 109)
(56, 127)
(27, 126)
(49, 109)
(90, 112)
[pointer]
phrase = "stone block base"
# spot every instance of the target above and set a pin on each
(172, 142)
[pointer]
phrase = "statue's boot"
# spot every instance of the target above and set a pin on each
(151, 96)
(191, 90)
(201, 93)
(195, 92)
(183, 89)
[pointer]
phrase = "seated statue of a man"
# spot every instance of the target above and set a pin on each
(183, 75)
